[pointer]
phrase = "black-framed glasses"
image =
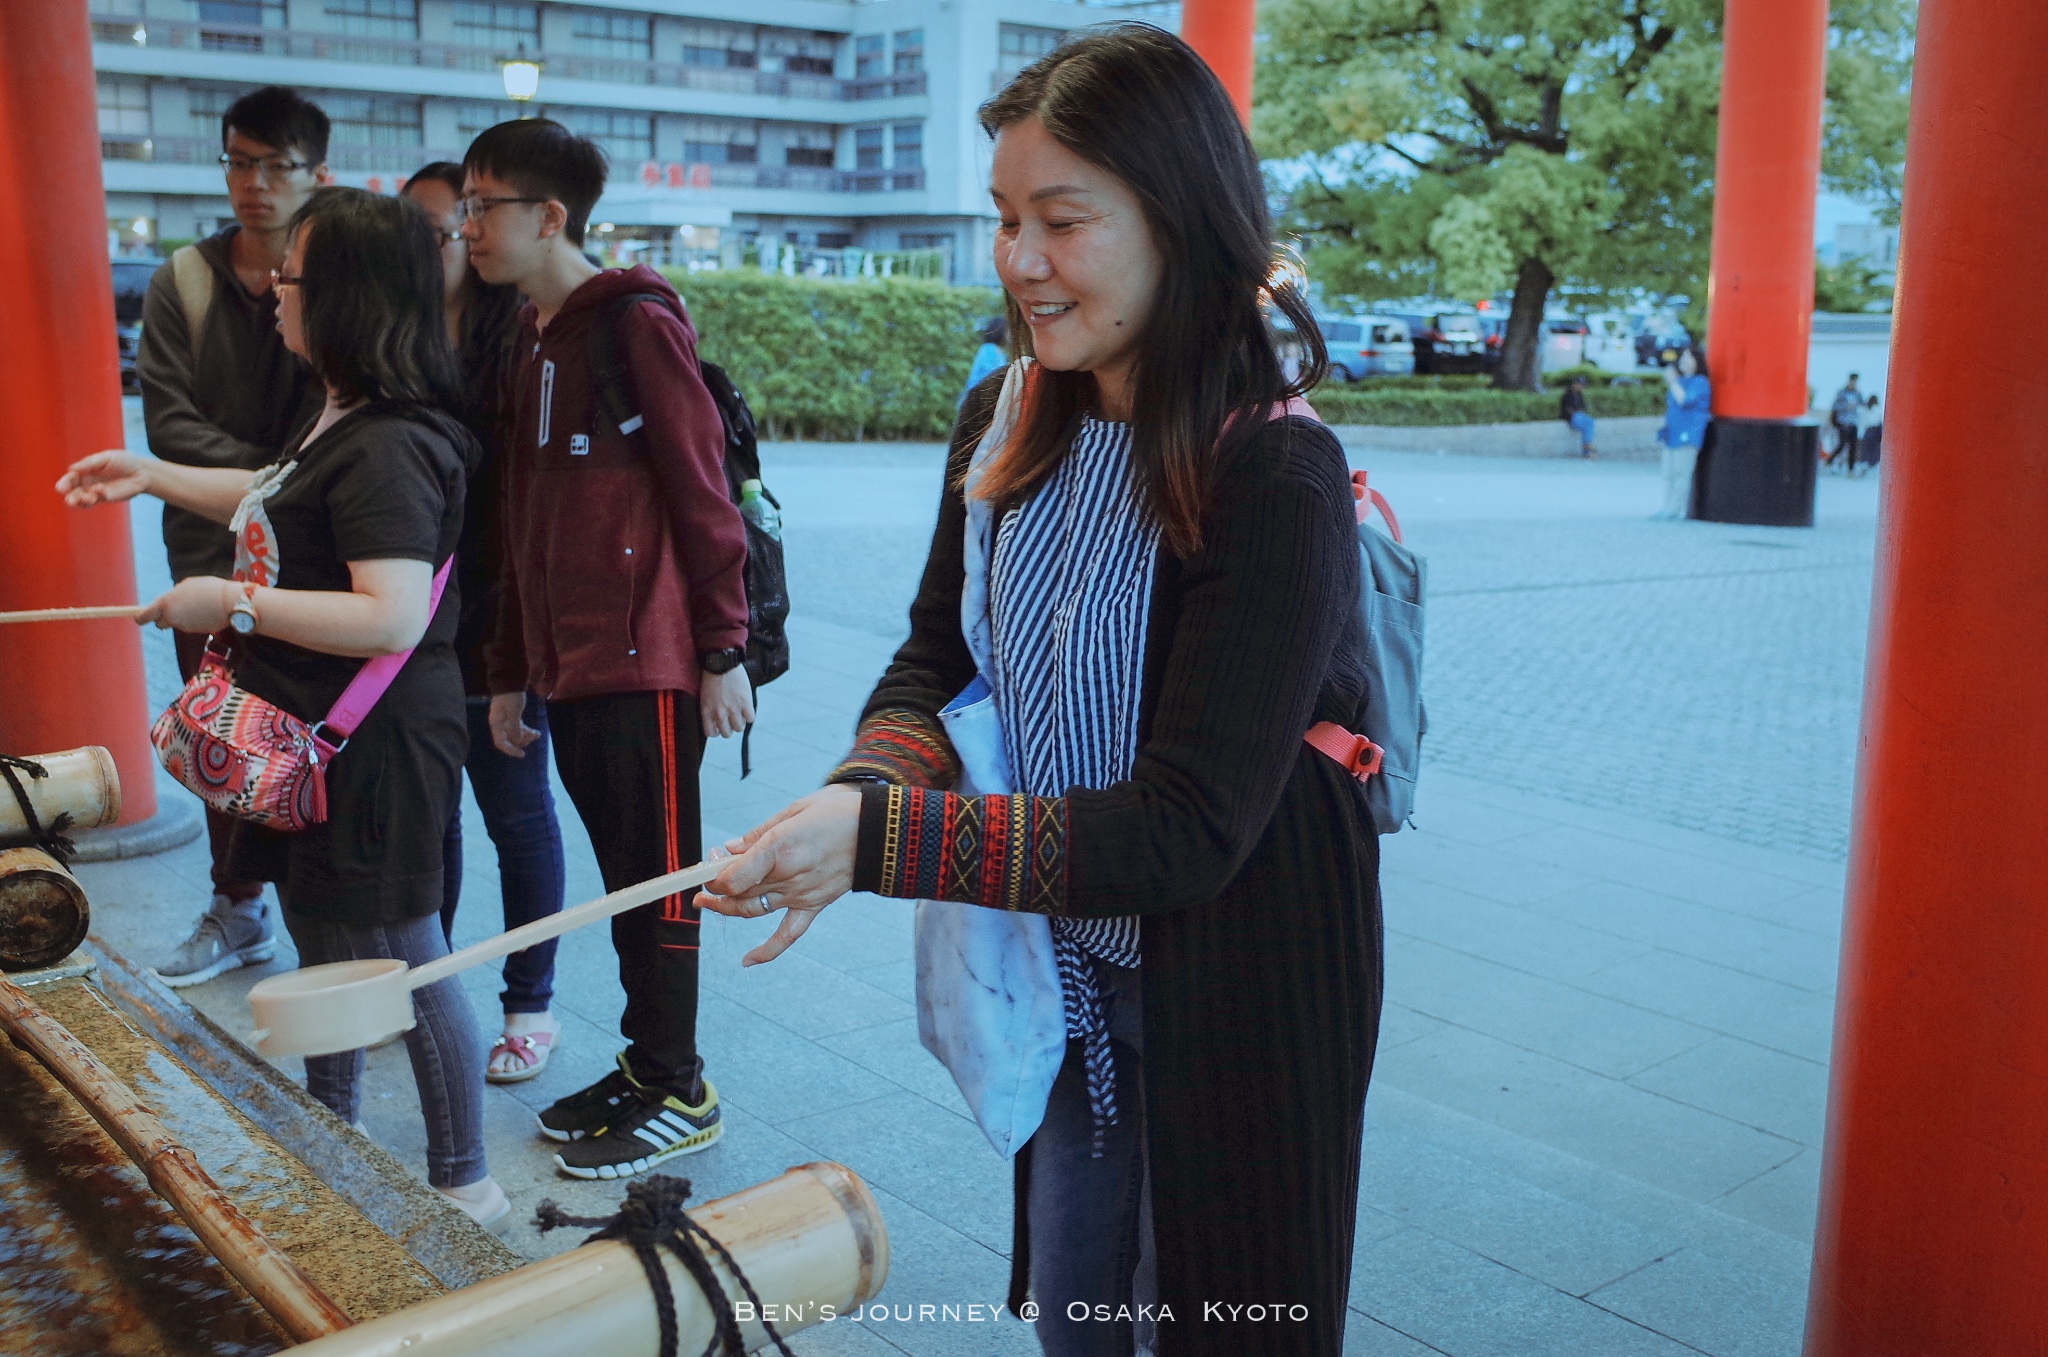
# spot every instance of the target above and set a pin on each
(274, 169)
(476, 207)
(284, 279)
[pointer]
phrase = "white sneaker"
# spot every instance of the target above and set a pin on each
(218, 944)
(483, 1201)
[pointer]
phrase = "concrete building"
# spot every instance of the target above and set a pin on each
(813, 131)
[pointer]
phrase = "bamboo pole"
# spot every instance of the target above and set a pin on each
(811, 1243)
(82, 783)
(263, 1269)
(43, 910)
(129, 610)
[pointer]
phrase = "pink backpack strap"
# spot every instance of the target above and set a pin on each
(1370, 499)
(371, 682)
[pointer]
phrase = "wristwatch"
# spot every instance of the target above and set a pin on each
(723, 661)
(242, 617)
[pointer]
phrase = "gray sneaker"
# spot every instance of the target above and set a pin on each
(217, 946)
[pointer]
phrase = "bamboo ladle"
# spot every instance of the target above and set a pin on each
(350, 1004)
(128, 610)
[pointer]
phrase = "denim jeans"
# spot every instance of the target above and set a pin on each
(519, 814)
(1090, 1218)
(447, 1053)
(1582, 423)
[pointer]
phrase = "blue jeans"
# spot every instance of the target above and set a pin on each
(1583, 424)
(447, 1054)
(519, 815)
(1091, 1219)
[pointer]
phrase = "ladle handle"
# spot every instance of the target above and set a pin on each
(540, 930)
(72, 614)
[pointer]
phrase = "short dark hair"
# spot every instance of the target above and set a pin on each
(543, 159)
(370, 296)
(279, 117)
(1138, 102)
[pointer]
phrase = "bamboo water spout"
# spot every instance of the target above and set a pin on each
(263, 1269)
(811, 1243)
(82, 783)
(43, 910)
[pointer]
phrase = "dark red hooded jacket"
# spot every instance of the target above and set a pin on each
(624, 556)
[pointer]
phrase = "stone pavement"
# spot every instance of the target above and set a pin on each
(1595, 1120)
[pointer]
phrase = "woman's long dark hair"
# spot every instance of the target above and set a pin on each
(370, 287)
(489, 324)
(1138, 102)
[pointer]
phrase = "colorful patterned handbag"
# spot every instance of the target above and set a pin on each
(254, 760)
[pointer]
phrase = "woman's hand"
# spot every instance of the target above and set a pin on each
(726, 701)
(799, 861)
(105, 478)
(509, 731)
(199, 604)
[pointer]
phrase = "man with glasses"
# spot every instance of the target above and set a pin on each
(219, 389)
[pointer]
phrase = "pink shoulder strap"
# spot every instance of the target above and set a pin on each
(371, 682)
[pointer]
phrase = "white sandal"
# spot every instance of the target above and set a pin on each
(531, 1049)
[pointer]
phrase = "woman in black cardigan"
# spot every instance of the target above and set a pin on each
(1172, 602)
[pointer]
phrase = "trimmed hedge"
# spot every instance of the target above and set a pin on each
(1425, 406)
(820, 358)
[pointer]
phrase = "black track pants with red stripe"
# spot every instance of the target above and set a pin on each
(629, 762)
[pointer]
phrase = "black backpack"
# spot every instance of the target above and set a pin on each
(766, 580)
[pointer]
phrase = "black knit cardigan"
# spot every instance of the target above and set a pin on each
(1249, 856)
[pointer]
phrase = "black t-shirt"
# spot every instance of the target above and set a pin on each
(385, 482)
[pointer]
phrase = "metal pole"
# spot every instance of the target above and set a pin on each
(1761, 465)
(1221, 30)
(1933, 1233)
(62, 684)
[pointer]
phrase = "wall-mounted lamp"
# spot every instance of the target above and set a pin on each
(522, 76)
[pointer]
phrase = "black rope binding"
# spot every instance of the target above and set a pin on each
(53, 840)
(651, 1216)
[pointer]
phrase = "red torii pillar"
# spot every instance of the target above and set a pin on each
(1761, 463)
(1933, 1238)
(62, 684)
(1222, 31)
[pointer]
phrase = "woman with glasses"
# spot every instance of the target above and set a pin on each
(513, 795)
(340, 545)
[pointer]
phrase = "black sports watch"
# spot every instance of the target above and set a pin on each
(723, 661)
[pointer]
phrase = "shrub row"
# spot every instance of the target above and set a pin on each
(1427, 406)
(818, 358)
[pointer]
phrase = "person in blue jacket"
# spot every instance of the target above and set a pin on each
(1687, 396)
(990, 357)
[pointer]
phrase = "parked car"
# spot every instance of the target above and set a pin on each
(1564, 343)
(131, 284)
(1367, 346)
(1447, 341)
(1611, 341)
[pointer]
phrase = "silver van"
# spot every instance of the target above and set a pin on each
(1367, 346)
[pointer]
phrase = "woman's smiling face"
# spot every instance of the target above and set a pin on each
(1075, 251)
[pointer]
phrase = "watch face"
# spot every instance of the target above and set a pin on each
(243, 622)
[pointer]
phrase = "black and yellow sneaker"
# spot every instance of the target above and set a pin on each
(653, 1127)
(589, 1111)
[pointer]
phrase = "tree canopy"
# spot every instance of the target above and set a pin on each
(1460, 147)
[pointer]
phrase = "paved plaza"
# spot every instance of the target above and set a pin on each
(1595, 1118)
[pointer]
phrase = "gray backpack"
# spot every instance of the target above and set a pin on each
(1391, 581)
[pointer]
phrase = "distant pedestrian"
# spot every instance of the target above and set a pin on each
(1848, 403)
(990, 357)
(1571, 408)
(1687, 398)
(1870, 432)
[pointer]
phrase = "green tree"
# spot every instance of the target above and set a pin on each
(1466, 146)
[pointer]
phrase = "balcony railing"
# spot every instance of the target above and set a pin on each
(403, 160)
(285, 42)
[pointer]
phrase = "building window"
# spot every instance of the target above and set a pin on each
(238, 14)
(1022, 44)
(124, 106)
(867, 56)
(800, 64)
(373, 119)
(720, 153)
(808, 157)
(207, 105)
(398, 19)
(909, 145)
(721, 58)
(834, 240)
(909, 51)
(867, 148)
(627, 138)
(500, 26)
(625, 37)
(471, 120)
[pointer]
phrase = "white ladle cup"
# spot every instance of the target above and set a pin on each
(320, 1010)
